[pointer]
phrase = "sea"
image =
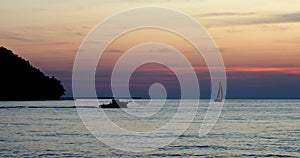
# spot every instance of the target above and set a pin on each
(244, 128)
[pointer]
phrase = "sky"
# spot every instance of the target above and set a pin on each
(259, 42)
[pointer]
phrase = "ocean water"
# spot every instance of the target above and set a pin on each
(245, 128)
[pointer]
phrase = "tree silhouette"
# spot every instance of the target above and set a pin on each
(19, 80)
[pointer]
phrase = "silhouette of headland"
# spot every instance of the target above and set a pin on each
(19, 80)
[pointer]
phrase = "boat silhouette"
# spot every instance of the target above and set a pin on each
(219, 97)
(115, 103)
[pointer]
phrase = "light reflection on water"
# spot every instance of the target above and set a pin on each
(249, 128)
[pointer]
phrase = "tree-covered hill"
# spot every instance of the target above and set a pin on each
(19, 80)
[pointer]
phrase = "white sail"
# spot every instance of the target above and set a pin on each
(219, 97)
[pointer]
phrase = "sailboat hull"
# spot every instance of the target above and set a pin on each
(218, 100)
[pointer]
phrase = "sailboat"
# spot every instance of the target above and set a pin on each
(219, 97)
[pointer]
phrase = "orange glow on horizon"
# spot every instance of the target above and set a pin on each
(279, 70)
(283, 70)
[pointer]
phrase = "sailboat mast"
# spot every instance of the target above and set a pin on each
(221, 89)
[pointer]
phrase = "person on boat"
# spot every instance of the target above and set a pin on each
(115, 101)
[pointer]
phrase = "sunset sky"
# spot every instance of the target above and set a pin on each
(259, 41)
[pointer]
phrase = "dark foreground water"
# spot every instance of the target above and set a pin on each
(246, 128)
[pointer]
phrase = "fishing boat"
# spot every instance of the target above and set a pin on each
(219, 97)
(115, 103)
